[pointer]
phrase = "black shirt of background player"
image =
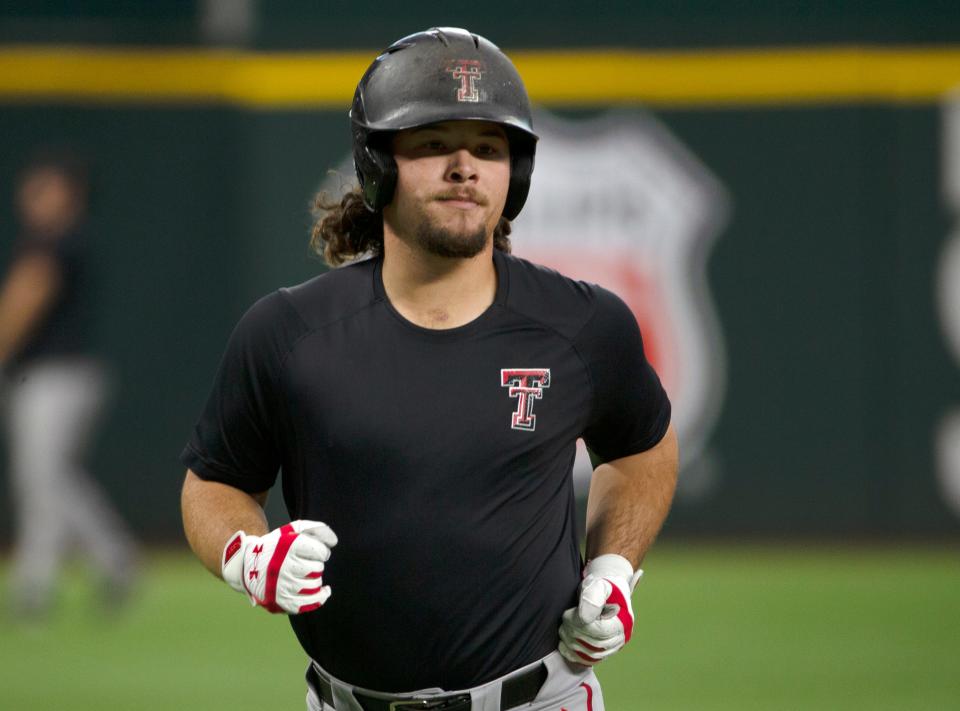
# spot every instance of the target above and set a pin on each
(65, 328)
(458, 550)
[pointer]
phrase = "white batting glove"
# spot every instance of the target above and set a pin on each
(283, 570)
(603, 621)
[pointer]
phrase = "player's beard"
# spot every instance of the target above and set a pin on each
(444, 242)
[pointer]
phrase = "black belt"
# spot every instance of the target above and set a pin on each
(515, 691)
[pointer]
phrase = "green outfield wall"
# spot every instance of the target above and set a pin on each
(824, 275)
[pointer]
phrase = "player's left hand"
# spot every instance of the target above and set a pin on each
(602, 622)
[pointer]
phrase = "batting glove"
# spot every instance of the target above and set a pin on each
(283, 570)
(603, 621)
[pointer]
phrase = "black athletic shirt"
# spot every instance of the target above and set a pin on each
(64, 330)
(441, 459)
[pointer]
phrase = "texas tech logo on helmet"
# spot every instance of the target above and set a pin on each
(527, 385)
(469, 72)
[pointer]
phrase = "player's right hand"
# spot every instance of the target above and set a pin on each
(281, 571)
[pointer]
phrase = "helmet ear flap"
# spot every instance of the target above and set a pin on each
(521, 169)
(523, 150)
(376, 171)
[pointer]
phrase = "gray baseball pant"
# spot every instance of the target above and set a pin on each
(568, 686)
(52, 410)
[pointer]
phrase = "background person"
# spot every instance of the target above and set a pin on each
(55, 390)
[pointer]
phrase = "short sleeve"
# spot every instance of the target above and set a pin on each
(236, 441)
(63, 250)
(631, 411)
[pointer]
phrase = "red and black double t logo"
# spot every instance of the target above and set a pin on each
(527, 385)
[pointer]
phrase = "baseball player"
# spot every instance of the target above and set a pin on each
(55, 388)
(423, 406)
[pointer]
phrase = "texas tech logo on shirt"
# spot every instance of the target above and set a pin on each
(469, 72)
(527, 385)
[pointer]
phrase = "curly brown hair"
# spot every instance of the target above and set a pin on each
(345, 229)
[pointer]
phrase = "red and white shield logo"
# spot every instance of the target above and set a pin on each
(618, 201)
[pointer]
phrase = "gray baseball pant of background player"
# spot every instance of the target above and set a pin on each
(53, 408)
(568, 686)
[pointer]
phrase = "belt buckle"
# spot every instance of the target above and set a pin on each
(444, 702)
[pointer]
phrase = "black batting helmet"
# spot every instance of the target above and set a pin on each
(443, 74)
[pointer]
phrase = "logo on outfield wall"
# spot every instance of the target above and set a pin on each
(618, 201)
(948, 295)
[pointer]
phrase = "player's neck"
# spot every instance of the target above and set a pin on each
(438, 292)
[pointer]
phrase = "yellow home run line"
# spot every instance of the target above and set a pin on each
(279, 80)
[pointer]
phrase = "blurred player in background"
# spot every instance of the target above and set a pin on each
(55, 390)
(424, 407)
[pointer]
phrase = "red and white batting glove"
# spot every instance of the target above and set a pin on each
(603, 621)
(283, 570)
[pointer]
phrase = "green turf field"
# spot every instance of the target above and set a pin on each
(719, 627)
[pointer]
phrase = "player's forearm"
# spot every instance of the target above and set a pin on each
(212, 512)
(629, 501)
(25, 297)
